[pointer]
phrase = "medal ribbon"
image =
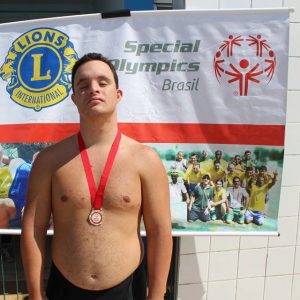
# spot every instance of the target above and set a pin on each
(97, 194)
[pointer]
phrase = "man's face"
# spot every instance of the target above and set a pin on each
(218, 185)
(196, 168)
(261, 172)
(217, 166)
(205, 180)
(193, 158)
(248, 155)
(95, 90)
(230, 168)
(237, 159)
(236, 182)
(174, 178)
(179, 156)
(260, 181)
(218, 155)
(249, 173)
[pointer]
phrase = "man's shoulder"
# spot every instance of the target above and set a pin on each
(210, 189)
(229, 190)
(139, 150)
(145, 159)
(244, 191)
(54, 154)
(57, 146)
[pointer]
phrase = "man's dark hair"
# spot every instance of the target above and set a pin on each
(219, 180)
(90, 57)
(235, 178)
(263, 168)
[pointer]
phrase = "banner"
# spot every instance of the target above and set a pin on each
(206, 89)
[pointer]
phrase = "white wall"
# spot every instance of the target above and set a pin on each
(254, 268)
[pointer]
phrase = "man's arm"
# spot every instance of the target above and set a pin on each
(186, 197)
(274, 179)
(157, 220)
(222, 200)
(228, 199)
(186, 176)
(192, 200)
(34, 226)
(185, 194)
(246, 202)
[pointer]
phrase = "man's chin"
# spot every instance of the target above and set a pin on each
(97, 112)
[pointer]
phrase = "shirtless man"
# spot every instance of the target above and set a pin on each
(90, 261)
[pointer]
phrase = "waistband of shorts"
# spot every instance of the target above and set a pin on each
(127, 281)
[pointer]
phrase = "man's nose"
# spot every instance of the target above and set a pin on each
(94, 87)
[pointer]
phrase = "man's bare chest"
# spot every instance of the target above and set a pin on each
(70, 186)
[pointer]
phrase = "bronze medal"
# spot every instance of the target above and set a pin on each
(96, 217)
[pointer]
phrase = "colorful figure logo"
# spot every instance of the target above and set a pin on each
(38, 68)
(245, 61)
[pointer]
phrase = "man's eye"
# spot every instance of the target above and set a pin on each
(103, 83)
(83, 86)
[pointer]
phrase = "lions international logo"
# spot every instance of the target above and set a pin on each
(38, 68)
(244, 61)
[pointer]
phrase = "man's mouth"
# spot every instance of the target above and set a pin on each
(95, 100)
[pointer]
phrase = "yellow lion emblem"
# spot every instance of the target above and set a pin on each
(8, 70)
(38, 68)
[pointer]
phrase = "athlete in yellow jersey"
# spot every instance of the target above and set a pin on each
(256, 206)
(231, 172)
(193, 176)
(216, 172)
(218, 206)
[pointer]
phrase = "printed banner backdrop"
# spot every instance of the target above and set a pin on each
(206, 89)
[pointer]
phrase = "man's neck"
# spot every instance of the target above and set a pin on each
(98, 132)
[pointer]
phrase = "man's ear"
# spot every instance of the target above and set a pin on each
(119, 94)
(73, 98)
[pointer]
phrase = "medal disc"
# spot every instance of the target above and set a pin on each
(96, 217)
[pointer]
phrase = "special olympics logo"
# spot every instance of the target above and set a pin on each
(38, 68)
(244, 61)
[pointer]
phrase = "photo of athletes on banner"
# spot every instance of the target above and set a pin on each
(212, 188)
(222, 187)
(16, 161)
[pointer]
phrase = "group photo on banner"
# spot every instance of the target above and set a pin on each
(206, 90)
